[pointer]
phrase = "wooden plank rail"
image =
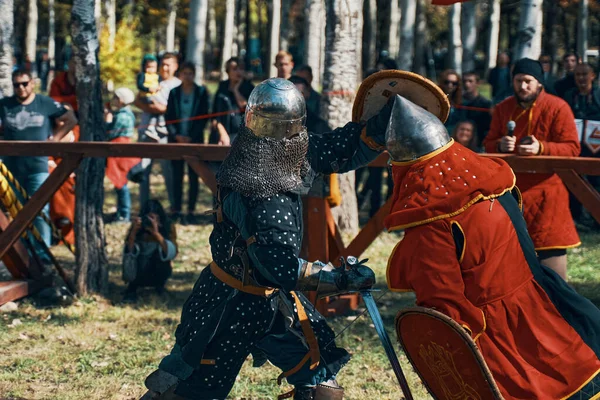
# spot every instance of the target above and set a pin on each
(324, 241)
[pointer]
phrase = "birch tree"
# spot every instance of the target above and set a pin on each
(51, 35)
(275, 22)
(284, 29)
(394, 29)
(340, 79)
(31, 32)
(369, 39)
(111, 21)
(196, 37)
(314, 32)
(171, 21)
(91, 274)
(468, 32)
(227, 34)
(454, 39)
(421, 44)
(494, 34)
(582, 29)
(529, 35)
(98, 14)
(6, 47)
(407, 34)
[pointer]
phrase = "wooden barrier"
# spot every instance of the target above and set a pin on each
(324, 242)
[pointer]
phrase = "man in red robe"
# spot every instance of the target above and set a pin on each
(466, 253)
(62, 204)
(543, 125)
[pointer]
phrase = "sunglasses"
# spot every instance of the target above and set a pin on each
(451, 83)
(21, 84)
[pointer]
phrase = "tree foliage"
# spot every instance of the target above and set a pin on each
(121, 65)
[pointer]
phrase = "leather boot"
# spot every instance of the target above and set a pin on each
(170, 395)
(160, 381)
(329, 390)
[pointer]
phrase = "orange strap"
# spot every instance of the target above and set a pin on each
(237, 284)
(370, 142)
(314, 355)
(530, 117)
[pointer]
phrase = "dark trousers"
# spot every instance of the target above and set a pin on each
(374, 184)
(578, 212)
(179, 167)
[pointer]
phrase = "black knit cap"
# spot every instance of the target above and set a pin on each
(529, 67)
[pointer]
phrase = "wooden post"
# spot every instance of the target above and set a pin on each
(37, 201)
(317, 244)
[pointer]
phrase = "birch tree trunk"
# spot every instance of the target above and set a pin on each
(394, 30)
(6, 47)
(421, 45)
(275, 24)
(369, 36)
(582, 29)
(468, 32)
(172, 20)
(454, 40)
(196, 37)
(227, 34)
(494, 35)
(111, 20)
(240, 38)
(407, 34)
(284, 29)
(529, 35)
(51, 35)
(340, 79)
(31, 33)
(314, 31)
(91, 274)
(234, 33)
(98, 14)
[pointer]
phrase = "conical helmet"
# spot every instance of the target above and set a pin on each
(413, 132)
(276, 109)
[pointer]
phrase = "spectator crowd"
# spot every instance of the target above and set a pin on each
(530, 112)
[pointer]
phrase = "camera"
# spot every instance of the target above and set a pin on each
(146, 222)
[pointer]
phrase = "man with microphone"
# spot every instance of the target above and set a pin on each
(533, 123)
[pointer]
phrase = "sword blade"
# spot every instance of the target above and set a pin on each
(386, 342)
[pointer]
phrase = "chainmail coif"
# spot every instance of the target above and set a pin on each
(261, 167)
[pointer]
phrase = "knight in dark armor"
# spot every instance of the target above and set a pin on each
(249, 299)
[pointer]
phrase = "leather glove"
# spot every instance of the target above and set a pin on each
(377, 125)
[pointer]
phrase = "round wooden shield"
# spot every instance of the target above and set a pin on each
(375, 91)
(444, 356)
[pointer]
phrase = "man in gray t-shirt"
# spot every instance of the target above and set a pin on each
(158, 105)
(32, 117)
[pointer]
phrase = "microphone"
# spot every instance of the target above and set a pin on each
(511, 127)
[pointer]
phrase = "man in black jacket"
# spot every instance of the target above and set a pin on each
(187, 110)
(584, 100)
(570, 61)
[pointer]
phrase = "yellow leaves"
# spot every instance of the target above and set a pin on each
(123, 63)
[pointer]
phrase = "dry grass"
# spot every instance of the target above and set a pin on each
(100, 349)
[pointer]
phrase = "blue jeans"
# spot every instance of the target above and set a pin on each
(31, 183)
(123, 203)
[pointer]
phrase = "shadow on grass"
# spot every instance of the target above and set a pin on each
(589, 290)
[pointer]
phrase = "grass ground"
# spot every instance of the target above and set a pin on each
(100, 349)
